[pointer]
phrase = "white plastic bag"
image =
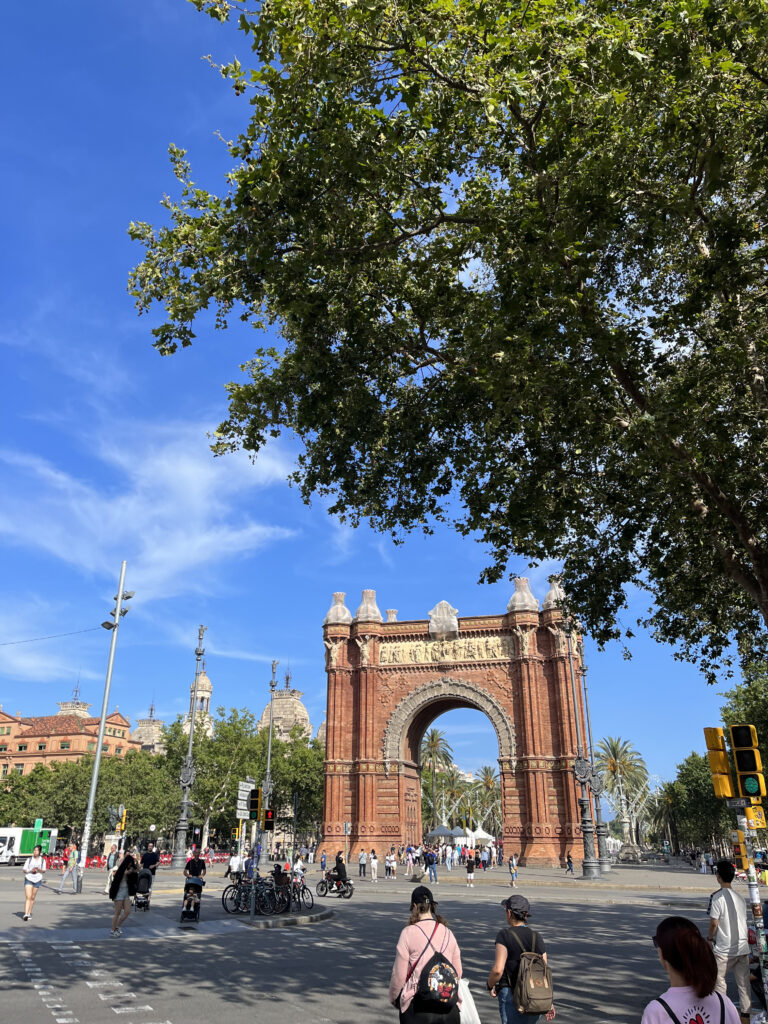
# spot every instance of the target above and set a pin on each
(469, 1014)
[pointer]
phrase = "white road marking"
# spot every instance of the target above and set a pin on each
(104, 984)
(130, 1009)
(116, 995)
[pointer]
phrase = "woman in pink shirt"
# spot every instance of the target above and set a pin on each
(688, 959)
(425, 934)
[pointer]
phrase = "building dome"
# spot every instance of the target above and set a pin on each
(338, 613)
(522, 600)
(554, 596)
(288, 712)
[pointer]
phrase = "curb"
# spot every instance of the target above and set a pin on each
(288, 922)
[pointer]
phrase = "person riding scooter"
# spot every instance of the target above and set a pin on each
(339, 873)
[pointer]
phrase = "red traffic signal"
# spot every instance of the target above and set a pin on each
(269, 820)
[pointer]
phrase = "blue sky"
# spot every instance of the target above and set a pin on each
(104, 455)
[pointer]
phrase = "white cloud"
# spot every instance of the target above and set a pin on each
(42, 661)
(158, 499)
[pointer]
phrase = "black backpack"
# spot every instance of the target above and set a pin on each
(438, 983)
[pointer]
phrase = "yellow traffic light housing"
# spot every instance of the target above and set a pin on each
(719, 766)
(255, 804)
(749, 764)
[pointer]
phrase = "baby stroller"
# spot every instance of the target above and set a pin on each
(190, 908)
(143, 890)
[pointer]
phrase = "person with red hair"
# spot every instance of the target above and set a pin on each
(688, 959)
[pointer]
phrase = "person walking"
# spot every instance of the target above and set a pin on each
(120, 891)
(34, 869)
(70, 868)
(513, 870)
(569, 864)
(692, 971)
(729, 936)
(362, 863)
(426, 933)
(113, 857)
(511, 942)
(431, 861)
(374, 862)
(323, 862)
(470, 871)
(409, 862)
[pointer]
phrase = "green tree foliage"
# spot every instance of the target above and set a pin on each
(517, 254)
(436, 750)
(747, 702)
(623, 768)
(701, 817)
(148, 784)
(232, 751)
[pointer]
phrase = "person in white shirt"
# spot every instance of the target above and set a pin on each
(235, 867)
(690, 964)
(729, 935)
(34, 869)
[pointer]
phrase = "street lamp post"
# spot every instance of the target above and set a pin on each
(117, 613)
(187, 774)
(595, 783)
(266, 786)
(590, 868)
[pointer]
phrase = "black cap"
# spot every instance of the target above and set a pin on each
(421, 894)
(517, 905)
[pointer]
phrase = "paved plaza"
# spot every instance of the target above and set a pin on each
(63, 967)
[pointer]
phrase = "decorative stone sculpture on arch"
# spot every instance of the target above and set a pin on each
(388, 681)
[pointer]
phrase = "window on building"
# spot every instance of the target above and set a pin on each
(118, 750)
(91, 746)
(41, 746)
(3, 746)
(19, 769)
(105, 748)
(5, 770)
(64, 745)
(22, 747)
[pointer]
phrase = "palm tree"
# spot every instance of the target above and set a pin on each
(489, 793)
(435, 749)
(624, 773)
(664, 811)
(454, 786)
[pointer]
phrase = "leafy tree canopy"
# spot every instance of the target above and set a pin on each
(517, 253)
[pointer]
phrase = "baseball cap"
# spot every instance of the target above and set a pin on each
(518, 905)
(421, 894)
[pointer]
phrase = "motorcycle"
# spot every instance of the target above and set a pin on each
(328, 886)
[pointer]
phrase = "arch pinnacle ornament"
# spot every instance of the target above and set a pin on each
(446, 688)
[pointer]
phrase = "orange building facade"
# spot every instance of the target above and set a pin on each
(387, 683)
(66, 736)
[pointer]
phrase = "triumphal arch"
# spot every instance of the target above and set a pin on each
(389, 680)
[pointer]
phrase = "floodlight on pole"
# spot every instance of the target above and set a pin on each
(118, 612)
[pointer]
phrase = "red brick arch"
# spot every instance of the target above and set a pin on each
(388, 681)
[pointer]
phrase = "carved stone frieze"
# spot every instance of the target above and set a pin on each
(420, 652)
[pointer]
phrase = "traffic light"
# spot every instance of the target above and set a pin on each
(235, 833)
(749, 765)
(121, 826)
(268, 824)
(255, 804)
(718, 763)
(739, 850)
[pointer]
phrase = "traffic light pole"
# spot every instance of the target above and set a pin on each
(757, 913)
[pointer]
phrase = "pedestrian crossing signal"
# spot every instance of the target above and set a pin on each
(268, 825)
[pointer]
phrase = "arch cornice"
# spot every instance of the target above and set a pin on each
(440, 689)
